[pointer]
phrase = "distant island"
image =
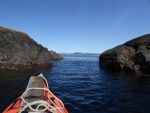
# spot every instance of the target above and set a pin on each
(77, 52)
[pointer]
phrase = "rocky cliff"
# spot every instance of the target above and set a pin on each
(55, 56)
(133, 55)
(18, 51)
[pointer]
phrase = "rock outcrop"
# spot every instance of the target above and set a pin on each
(18, 51)
(55, 56)
(133, 55)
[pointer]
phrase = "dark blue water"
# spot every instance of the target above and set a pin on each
(84, 87)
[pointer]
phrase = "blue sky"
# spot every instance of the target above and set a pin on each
(66, 26)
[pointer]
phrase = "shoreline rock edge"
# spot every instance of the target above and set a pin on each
(19, 52)
(133, 55)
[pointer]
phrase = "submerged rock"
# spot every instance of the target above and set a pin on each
(18, 51)
(133, 55)
(55, 56)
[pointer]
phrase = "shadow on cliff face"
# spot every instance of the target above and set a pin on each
(19, 52)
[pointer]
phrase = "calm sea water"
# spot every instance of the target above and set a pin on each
(84, 87)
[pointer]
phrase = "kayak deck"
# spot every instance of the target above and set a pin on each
(37, 96)
(33, 95)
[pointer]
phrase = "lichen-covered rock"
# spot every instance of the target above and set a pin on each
(143, 59)
(133, 55)
(55, 56)
(18, 51)
(117, 58)
(140, 41)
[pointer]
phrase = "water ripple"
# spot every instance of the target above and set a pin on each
(84, 87)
